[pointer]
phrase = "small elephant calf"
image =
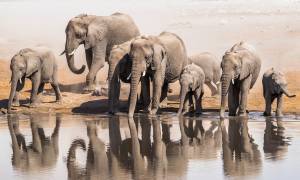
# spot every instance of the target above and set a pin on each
(274, 85)
(40, 67)
(191, 81)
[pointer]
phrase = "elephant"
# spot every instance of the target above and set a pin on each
(241, 156)
(119, 70)
(37, 64)
(191, 81)
(211, 67)
(240, 69)
(274, 86)
(161, 58)
(98, 34)
(41, 153)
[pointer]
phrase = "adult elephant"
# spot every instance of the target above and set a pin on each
(162, 58)
(98, 34)
(211, 67)
(240, 69)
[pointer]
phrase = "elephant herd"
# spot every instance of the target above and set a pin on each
(153, 62)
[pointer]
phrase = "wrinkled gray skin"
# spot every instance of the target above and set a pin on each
(274, 86)
(38, 155)
(191, 84)
(162, 58)
(119, 70)
(98, 34)
(240, 69)
(40, 67)
(211, 67)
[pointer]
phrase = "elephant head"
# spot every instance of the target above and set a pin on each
(147, 54)
(81, 30)
(236, 66)
(25, 63)
(280, 84)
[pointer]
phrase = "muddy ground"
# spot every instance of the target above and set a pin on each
(75, 102)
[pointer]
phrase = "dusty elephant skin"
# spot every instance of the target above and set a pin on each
(274, 86)
(40, 67)
(211, 67)
(240, 69)
(191, 83)
(161, 58)
(98, 34)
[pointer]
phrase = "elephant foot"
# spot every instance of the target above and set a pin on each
(33, 105)
(279, 114)
(97, 92)
(153, 111)
(267, 114)
(60, 102)
(198, 112)
(88, 89)
(243, 114)
(15, 104)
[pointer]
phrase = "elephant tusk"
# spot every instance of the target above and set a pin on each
(218, 82)
(129, 76)
(70, 54)
(144, 73)
(213, 84)
(232, 80)
(20, 80)
(62, 52)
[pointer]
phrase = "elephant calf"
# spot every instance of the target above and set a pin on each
(191, 81)
(40, 67)
(274, 85)
(211, 67)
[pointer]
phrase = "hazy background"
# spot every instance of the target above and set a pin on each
(272, 26)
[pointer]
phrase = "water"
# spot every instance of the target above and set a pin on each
(60, 146)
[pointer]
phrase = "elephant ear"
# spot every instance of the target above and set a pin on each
(33, 64)
(95, 33)
(246, 65)
(159, 54)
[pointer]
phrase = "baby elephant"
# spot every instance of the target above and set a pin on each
(274, 85)
(191, 81)
(40, 67)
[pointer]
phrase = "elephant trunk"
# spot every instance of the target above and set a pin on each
(14, 82)
(135, 79)
(183, 93)
(287, 93)
(111, 82)
(70, 61)
(225, 80)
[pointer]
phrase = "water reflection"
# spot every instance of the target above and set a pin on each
(41, 153)
(163, 147)
(241, 155)
(275, 141)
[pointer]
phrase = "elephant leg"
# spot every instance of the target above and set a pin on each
(213, 88)
(20, 86)
(233, 99)
(89, 58)
(98, 61)
(145, 93)
(157, 87)
(198, 99)
(245, 86)
(164, 96)
(189, 105)
(36, 81)
(40, 91)
(183, 107)
(279, 105)
(268, 105)
(55, 86)
(114, 91)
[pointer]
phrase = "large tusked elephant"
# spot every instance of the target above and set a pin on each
(240, 70)
(98, 34)
(211, 67)
(162, 58)
(37, 64)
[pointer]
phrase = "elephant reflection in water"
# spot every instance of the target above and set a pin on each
(96, 161)
(275, 142)
(41, 153)
(240, 154)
